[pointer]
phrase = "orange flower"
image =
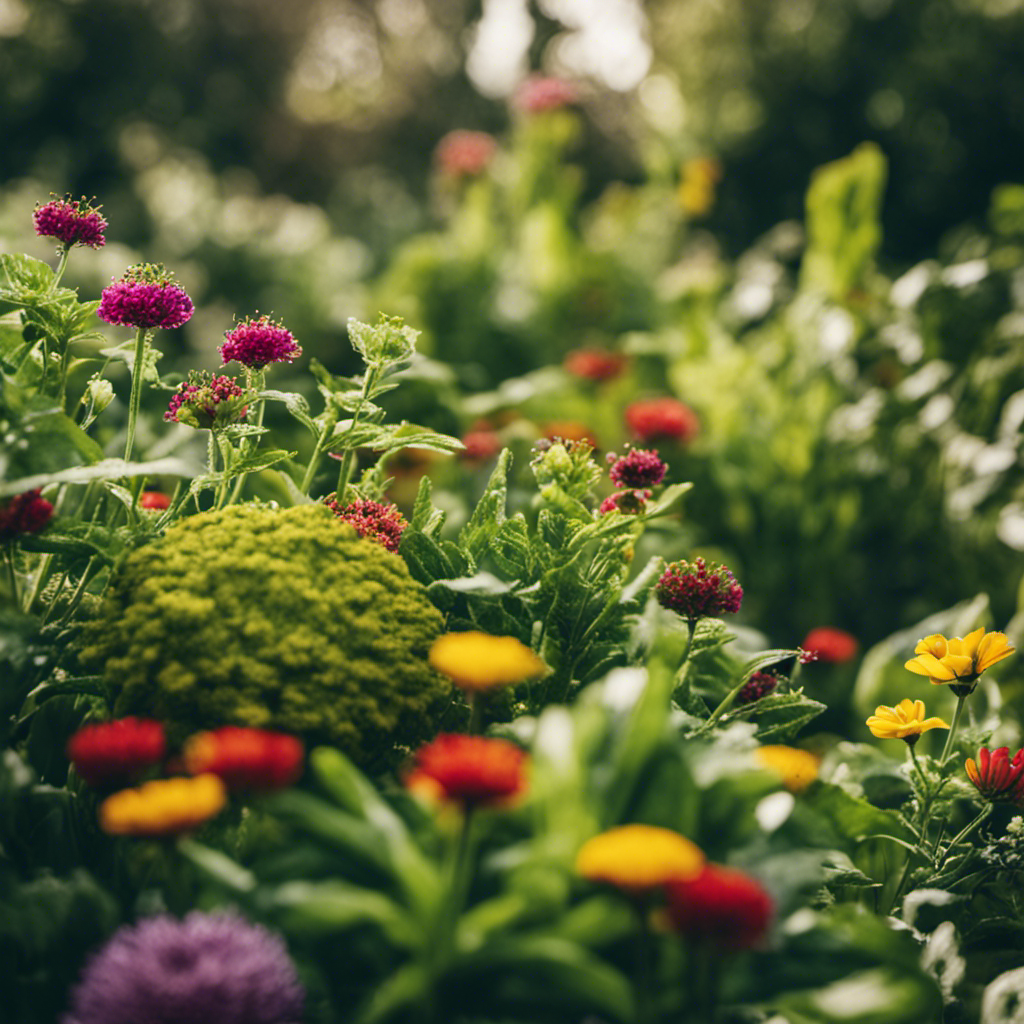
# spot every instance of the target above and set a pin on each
(478, 662)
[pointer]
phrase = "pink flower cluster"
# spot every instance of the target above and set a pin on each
(639, 467)
(372, 519)
(541, 92)
(698, 589)
(24, 513)
(465, 153)
(145, 297)
(207, 402)
(256, 343)
(71, 222)
(629, 503)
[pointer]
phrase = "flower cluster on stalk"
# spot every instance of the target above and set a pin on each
(698, 589)
(163, 807)
(465, 153)
(379, 521)
(71, 222)
(146, 296)
(208, 402)
(256, 342)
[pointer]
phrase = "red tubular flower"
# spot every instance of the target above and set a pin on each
(831, 644)
(594, 364)
(373, 519)
(721, 906)
(639, 467)
(471, 770)
(257, 343)
(997, 776)
(246, 759)
(465, 153)
(24, 513)
(698, 589)
(116, 752)
(71, 222)
(666, 418)
(146, 296)
(154, 500)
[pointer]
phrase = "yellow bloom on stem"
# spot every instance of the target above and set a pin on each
(477, 662)
(639, 857)
(164, 807)
(797, 768)
(958, 660)
(905, 721)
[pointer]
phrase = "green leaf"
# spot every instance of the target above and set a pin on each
(408, 986)
(489, 514)
(781, 716)
(430, 560)
(348, 437)
(427, 519)
(880, 995)
(218, 866)
(510, 548)
(296, 404)
(258, 461)
(23, 278)
(430, 440)
(666, 502)
(107, 469)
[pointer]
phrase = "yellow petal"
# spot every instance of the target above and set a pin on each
(883, 729)
(961, 665)
(934, 644)
(907, 709)
(929, 665)
(931, 723)
(972, 640)
(993, 647)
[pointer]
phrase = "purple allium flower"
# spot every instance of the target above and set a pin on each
(759, 685)
(627, 502)
(146, 296)
(207, 401)
(640, 467)
(372, 519)
(206, 968)
(257, 343)
(71, 222)
(698, 589)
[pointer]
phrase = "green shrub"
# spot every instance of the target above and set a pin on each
(274, 618)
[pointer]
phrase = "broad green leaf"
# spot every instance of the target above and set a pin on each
(23, 278)
(218, 866)
(258, 461)
(408, 986)
(426, 439)
(489, 514)
(881, 995)
(296, 404)
(107, 469)
(780, 716)
(511, 550)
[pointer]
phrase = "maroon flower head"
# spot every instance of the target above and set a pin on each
(24, 513)
(698, 589)
(541, 92)
(639, 467)
(722, 908)
(629, 503)
(146, 296)
(71, 222)
(759, 685)
(372, 519)
(258, 342)
(208, 402)
(206, 968)
(465, 153)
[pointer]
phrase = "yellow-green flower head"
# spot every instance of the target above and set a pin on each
(797, 768)
(958, 660)
(905, 721)
(477, 662)
(639, 857)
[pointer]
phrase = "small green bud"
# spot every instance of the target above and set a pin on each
(99, 392)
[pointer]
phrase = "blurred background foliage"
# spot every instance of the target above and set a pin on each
(847, 358)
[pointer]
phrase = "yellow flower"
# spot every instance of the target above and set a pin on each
(639, 857)
(905, 721)
(163, 807)
(477, 662)
(797, 768)
(696, 194)
(958, 660)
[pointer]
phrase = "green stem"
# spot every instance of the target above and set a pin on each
(12, 576)
(966, 831)
(645, 984)
(314, 459)
(62, 263)
(135, 400)
(256, 380)
(917, 764)
(227, 456)
(948, 748)
(345, 470)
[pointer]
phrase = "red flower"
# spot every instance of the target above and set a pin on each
(997, 776)
(71, 222)
(481, 445)
(246, 759)
(539, 93)
(24, 513)
(831, 644)
(372, 519)
(721, 906)
(653, 418)
(154, 499)
(639, 467)
(118, 751)
(698, 589)
(594, 364)
(463, 152)
(471, 770)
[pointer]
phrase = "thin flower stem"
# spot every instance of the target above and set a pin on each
(12, 576)
(966, 831)
(345, 470)
(135, 401)
(917, 764)
(62, 263)
(257, 381)
(947, 749)
(314, 459)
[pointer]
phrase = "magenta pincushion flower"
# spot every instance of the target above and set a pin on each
(71, 222)
(257, 343)
(206, 968)
(638, 468)
(698, 589)
(207, 402)
(146, 296)
(373, 519)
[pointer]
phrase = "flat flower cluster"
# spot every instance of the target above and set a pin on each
(258, 342)
(376, 520)
(145, 296)
(698, 589)
(71, 222)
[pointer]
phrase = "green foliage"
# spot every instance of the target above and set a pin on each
(292, 623)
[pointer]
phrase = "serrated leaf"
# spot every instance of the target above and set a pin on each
(510, 548)
(242, 430)
(296, 404)
(347, 437)
(261, 460)
(23, 277)
(781, 716)
(430, 440)
(425, 517)
(489, 513)
(426, 558)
